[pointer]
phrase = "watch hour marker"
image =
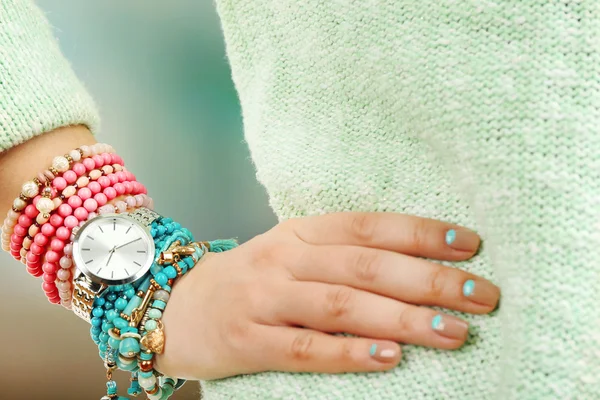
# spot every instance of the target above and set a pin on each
(89, 237)
(127, 272)
(99, 227)
(85, 249)
(112, 274)
(128, 229)
(87, 262)
(137, 263)
(141, 251)
(114, 224)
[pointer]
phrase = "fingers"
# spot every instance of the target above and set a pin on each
(302, 350)
(410, 279)
(389, 231)
(335, 308)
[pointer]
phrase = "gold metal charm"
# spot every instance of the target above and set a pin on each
(176, 252)
(155, 340)
(138, 313)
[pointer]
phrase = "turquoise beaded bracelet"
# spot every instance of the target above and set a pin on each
(126, 322)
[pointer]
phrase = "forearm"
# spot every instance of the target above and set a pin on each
(23, 162)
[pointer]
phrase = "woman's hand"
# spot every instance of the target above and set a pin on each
(265, 305)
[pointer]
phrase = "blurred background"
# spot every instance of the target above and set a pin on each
(159, 74)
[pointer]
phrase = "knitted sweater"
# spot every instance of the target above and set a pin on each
(38, 89)
(482, 113)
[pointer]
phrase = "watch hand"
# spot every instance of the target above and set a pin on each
(123, 245)
(112, 251)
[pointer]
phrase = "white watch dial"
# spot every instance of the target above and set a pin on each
(113, 249)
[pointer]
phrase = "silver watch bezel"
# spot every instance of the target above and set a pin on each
(80, 264)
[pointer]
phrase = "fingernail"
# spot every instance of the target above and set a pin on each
(481, 292)
(383, 353)
(462, 239)
(450, 327)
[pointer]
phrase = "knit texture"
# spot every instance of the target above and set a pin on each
(38, 89)
(481, 113)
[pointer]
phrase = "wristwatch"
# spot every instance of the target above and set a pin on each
(110, 250)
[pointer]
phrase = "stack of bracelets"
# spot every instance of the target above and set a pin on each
(86, 226)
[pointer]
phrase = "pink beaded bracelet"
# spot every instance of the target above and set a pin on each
(36, 215)
(32, 188)
(54, 234)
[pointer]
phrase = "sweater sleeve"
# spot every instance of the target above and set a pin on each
(38, 89)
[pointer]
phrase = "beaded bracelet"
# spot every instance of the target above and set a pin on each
(62, 224)
(38, 217)
(32, 188)
(103, 183)
(59, 232)
(120, 316)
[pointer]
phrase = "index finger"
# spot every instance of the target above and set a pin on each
(407, 234)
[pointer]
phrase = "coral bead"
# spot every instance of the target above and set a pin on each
(79, 169)
(40, 239)
(31, 211)
(64, 210)
(120, 188)
(71, 221)
(56, 220)
(100, 199)
(89, 164)
(32, 258)
(49, 287)
(98, 161)
(48, 230)
(81, 213)
(57, 245)
(95, 187)
(63, 233)
(19, 230)
(52, 256)
(110, 193)
(75, 201)
(36, 249)
(128, 187)
(49, 268)
(104, 181)
(70, 176)
(84, 193)
(16, 239)
(90, 205)
(59, 183)
(24, 221)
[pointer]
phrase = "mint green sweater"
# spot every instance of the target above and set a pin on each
(482, 113)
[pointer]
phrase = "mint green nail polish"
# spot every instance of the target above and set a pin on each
(468, 287)
(436, 323)
(450, 236)
(373, 350)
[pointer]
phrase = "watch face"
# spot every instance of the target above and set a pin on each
(113, 249)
